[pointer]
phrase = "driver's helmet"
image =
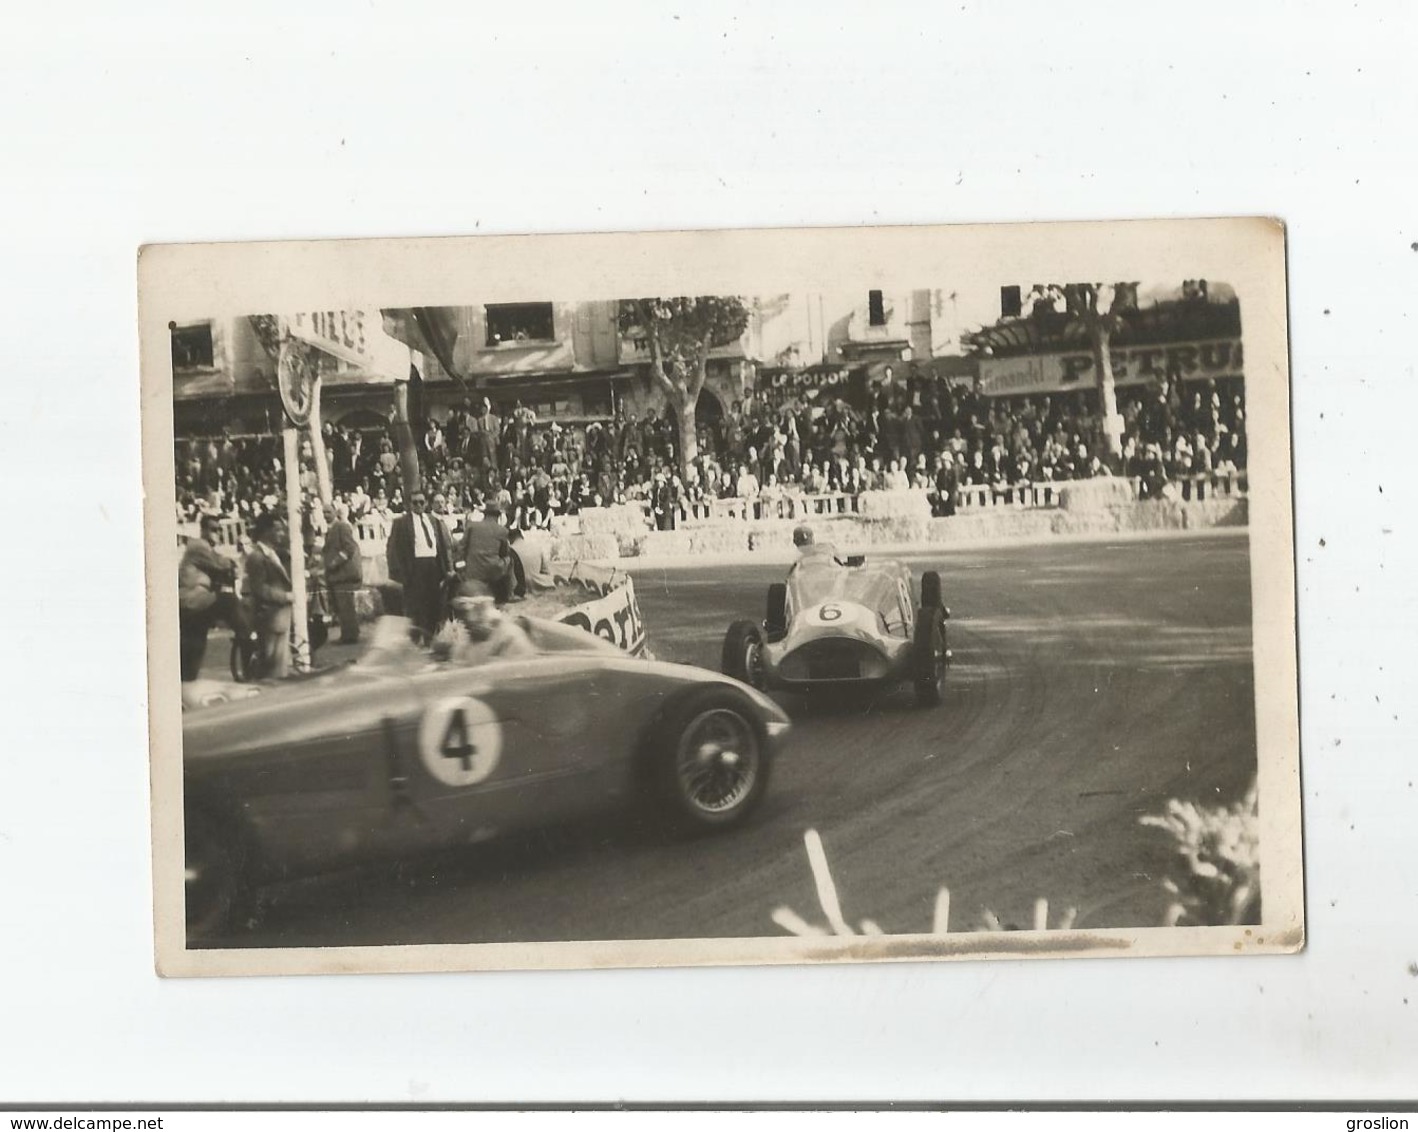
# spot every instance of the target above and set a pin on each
(802, 537)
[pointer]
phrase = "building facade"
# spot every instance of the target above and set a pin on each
(567, 361)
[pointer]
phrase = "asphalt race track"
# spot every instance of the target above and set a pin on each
(1091, 682)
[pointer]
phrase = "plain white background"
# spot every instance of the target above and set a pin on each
(146, 122)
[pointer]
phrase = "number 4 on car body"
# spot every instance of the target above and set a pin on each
(460, 741)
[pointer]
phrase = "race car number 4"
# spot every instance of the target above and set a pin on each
(460, 741)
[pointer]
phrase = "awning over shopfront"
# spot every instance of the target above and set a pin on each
(433, 331)
(1191, 333)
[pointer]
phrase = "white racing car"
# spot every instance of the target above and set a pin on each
(844, 623)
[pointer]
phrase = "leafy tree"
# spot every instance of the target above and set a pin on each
(680, 333)
(1098, 308)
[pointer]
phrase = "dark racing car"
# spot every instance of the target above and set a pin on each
(845, 623)
(403, 752)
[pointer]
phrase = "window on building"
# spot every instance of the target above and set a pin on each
(548, 407)
(876, 309)
(192, 346)
(519, 322)
(596, 401)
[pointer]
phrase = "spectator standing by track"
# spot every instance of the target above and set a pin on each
(344, 569)
(203, 596)
(420, 556)
(267, 587)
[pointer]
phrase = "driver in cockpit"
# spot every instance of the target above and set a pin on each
(485, 633)
(810, 551)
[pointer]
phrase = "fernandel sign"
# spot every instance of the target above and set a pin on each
(1132, 365)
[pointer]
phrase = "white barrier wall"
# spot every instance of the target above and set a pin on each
(626, 530)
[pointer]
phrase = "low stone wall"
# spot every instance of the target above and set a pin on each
(1123, 518)
(1095, 507)
(1095, 494)
(997, 524)
(623, 524)
(589, 547)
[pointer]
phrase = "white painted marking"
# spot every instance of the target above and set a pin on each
(826, 888)
(941, 924)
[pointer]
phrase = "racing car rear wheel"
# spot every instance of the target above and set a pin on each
(929, 656)
(743, 653)
(775, 620)
(710, 761)
(216, 892)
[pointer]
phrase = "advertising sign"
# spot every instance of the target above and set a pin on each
(614, 617)
(1132, 365)
(811, 377)
(356, 337)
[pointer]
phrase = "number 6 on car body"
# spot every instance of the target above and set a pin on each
(460, 741)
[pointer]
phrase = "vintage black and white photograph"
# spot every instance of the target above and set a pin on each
(721, 597)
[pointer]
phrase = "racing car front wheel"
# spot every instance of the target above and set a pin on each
(929, 656)
(743, 653)
(710, 761)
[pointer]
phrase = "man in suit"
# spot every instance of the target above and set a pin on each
(267, 587)
(484, 434)
(344, 568)
(420, 557)
(487, 556)
(204, 595)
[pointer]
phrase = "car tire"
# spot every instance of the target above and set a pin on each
(710, 761)
(929, 656)
(743, 654)
(930, 589)
(217, 893)
(245, 657)
(775, 619)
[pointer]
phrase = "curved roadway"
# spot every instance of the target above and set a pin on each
(1091, 682)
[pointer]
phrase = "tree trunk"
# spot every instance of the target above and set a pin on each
(317, 448)
(688, 434)
(688, 407)
(404, 438)
(1107, 393)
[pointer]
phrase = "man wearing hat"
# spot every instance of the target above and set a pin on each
(267, 586)
(203, 595)
(487, 555)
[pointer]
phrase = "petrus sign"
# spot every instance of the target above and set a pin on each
(1132, 365)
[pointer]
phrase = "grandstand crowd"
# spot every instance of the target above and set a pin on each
(921, 434)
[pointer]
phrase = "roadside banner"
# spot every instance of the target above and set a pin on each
(614, 616)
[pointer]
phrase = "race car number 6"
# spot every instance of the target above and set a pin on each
(830, 613)
(460, 741)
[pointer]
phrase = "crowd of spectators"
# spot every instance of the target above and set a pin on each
(915, 434)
